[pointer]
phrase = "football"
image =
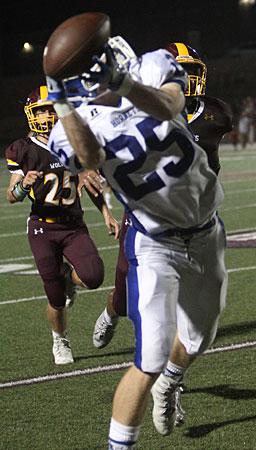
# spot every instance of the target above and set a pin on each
(72, 44)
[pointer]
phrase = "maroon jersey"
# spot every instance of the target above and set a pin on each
(53, 195)
(210, 119)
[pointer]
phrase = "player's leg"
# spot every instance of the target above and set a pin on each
(204, 287)
(57, 319)
(81, 252)
(48, 259)
(152, 294)
(166, 392)
(106, 323)
(71, 282)
(129, 405)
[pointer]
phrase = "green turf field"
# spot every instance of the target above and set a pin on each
(44, 406)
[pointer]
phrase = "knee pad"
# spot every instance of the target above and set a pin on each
(91, 273)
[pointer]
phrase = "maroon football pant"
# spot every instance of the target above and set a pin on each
(49, 242)
(119, 292)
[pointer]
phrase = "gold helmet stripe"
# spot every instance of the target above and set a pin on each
(182, 49)
(43, 92)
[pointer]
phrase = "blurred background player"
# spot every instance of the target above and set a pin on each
(210, 119)
(55, 227)
(246, 123)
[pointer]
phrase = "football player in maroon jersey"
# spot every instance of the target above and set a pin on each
(210, 119)
(55, 227)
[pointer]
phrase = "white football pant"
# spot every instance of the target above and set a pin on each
(174, 283)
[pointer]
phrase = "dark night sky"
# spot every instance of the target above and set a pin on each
(213, 25)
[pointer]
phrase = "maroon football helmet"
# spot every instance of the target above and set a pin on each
(194, 66)
(39, 111)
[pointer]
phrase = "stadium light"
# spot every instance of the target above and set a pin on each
(27, 47)
(246, 2)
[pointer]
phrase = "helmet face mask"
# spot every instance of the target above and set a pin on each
(40, 113)
(194, 66)
(79, 89)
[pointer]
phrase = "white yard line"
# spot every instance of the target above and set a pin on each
(239, 192)
(89, 225)
(237, 180)
(41, 297)
(21, 258)
(108, 368)
(26, 215)
(87, 291)
(236, 208)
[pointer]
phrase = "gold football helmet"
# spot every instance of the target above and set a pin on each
(40, 113)
(194, 66)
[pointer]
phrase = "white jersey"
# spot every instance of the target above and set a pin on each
(155, 168)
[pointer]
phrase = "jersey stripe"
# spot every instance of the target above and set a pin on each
(12, 163)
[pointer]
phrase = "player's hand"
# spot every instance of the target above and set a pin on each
(31, 177)
(92, 181)
(109, 76)
(111, 223)
(55, 89)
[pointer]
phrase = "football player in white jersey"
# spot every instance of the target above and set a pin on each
(133, 127)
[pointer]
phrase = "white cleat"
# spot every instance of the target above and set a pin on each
(103, 331)
(62, 351)
(167, 412)
(164, 409)
(70, 290)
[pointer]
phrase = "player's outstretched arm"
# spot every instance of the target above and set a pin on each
(162, 104)
(88, 150)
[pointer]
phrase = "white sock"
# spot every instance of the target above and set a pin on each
(122, 437)
(109, 319)
(60, 335)
(176, 373)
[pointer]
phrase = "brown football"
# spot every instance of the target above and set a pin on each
(72, 44)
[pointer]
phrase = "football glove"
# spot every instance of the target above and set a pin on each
(57, 95)
(110, 76)
(55, 90)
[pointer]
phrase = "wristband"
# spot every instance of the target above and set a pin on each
(125, 87)
(19, 192)
(63, 108)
